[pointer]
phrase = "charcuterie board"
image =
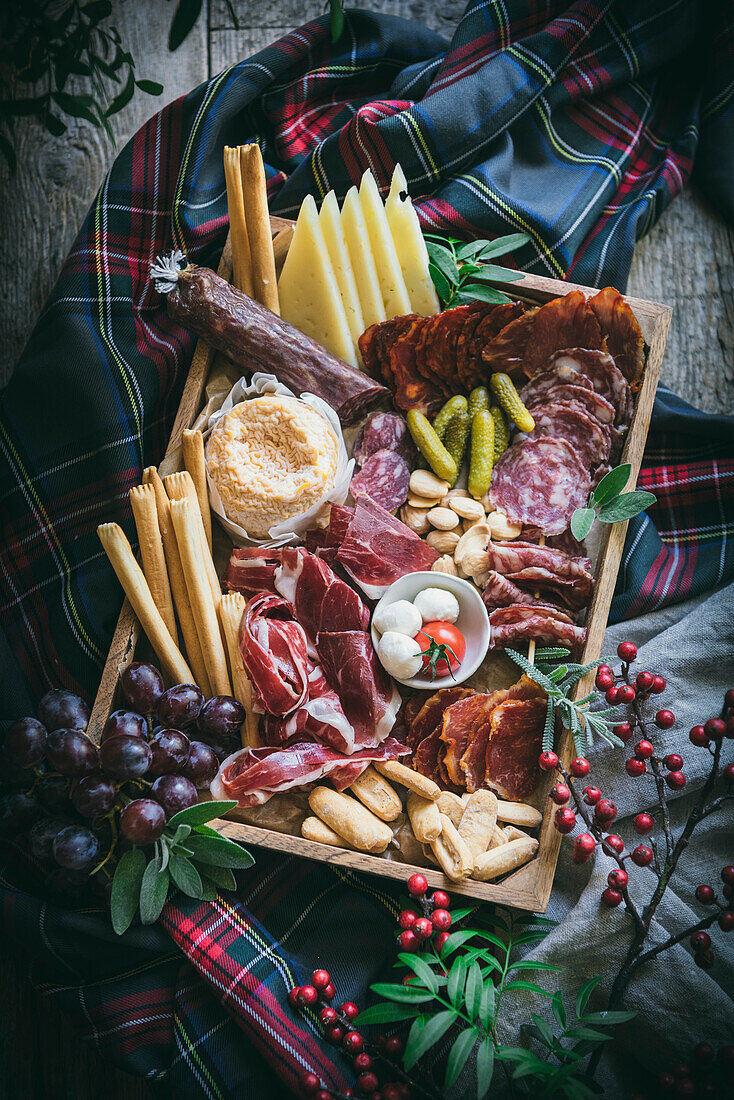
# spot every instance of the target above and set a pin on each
(529, 886)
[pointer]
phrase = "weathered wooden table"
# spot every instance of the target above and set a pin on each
(687, 261)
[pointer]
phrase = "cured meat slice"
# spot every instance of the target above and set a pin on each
(588, 399)
(378, 549)
(275, 654)
(565, 542)
(252, 776)
(559, 374)
(461, 722)
(500, 591)
(370, 699)
(321, 718)
(519, 612)
(369, 349)
(440, 350)
(340, 517)
(509, 557)
(598, 367)
(474, 760)
(565, 322)
(540, 482)
(573, 591)
(252, 569)
(515, 742)
(430, 714)
(469, 367)
(582, 431)
(422, 346)
(506, 351)
(383, 431)
(622, 331)
(411, 390)
(388, 333)
(426, 757)
(541, 626)
(384, 477)
(320, 600)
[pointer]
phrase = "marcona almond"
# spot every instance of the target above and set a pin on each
(445, 564)
(501, 527)
(416, 519)
(467, 508)
(443, 541)
(423, 502)
(425, 484)
(453, 494)
(443, 518)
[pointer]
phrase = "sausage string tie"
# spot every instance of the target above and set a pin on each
(166, 270)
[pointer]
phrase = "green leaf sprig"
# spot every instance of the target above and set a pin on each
(461, 271)
(608, 504)
(189, 856)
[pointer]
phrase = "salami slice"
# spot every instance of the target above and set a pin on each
(593, 402)
(474, 371)
(535, 390)
(568, 321)
(441, 350)
(540, 482)
(467, 367)
(384, 477)
(410, 389)
(622, 331)
(582, 431)
(506, 351)
(599, 368)
(383, 431)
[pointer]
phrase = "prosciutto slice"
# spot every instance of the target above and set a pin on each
(369, 697)
(275, 655)
(252, 570)
(320, 718)
(320, 600)
(253, 776)
(378, 549)
(500, 591)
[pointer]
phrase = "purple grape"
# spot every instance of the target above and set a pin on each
(201, 766)
(124, 721)
(142, 686)
(61, 709)
(53, 793)
(143, 821)
(75, 848)
(42, 835)
(18, 811)
(94, 795)
(179, 706)
(125, 756)
(170, 752)
(220, 718)
(174, 792)
(71, 753)
(25, 742)
(12, 774)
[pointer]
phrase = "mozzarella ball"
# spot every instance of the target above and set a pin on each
(400, 616)
(437, 605)
(399, 654)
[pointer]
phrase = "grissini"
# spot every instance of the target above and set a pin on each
(255, 193)
(133, 581)
(192, 446)
(424, 817)
(478, 821)
(145, 514)
(231, 609)
(178, 584)
(241, 259)
(189, 539)
(414, 781)
(350, 819)
(377, 794)
(313, 828)
(180, 486)
(498, 861)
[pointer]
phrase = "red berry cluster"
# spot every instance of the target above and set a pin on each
(417, 930)
(708, 1075)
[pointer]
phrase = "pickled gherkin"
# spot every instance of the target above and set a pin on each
(481, 460)
(478, 399)
(453, 405)
(431, 447)
(504, 390)
(501, 432)
(456, 436)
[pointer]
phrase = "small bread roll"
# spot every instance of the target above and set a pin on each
(451, 805)
(350, 819)
(377, 794)
(518, 813)
(313, 828)
(499, 837)
(453, 853)
(478, 821)
(414, 781)
(424, 816)
(498, 861)
(513, 833)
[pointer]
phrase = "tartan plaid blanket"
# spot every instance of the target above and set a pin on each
(577, 122)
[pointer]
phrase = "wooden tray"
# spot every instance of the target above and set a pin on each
(529, 887)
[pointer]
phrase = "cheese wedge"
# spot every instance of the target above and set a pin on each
(363, 264)
(392, 284)
(411, 248)
(308, 289)
(336, 245)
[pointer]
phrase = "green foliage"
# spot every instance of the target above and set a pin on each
(608, 504)
(460, 271)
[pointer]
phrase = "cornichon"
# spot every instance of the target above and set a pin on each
(478, 399)
(431, 447)
(504, 390)
(501, 433)
(456, 435)
(453, 405)
(482, 453)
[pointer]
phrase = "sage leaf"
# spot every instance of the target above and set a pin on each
(460, 1051)
(219, 851)
(626, 506)
(441, 258)
(223, 877)
(612, 484)
(478, 293)
(209, 890)
(185, 875)
(126, 889)
(441, 283)
(200, 813)
(499, 274)
(153, 892)
(582, 521)
(422, 1039)
(502, 245)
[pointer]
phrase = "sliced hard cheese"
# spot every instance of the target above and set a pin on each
(392, 284)
(336, 246)
(411, 248)
(363, 265)
(308, 290)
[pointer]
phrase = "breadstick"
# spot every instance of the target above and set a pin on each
(313, 828)
(145, 513)
(241, 260)
(178, 584)
(512, 833)
(377, 795)
(498, 861)
(478, 821)
(255, 193)
(414, 781)
(452, 852)
(189, 539)
(424, 816)
(231, 609)
(518, 813)
(350, 819)
(281, 244)
(133, 581)
(451, 805)
(193, 457)
(180, 486)
(499, 837)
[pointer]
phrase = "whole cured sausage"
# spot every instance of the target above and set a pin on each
(257, 340)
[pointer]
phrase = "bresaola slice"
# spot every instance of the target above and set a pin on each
(378, 549)
(540, 482)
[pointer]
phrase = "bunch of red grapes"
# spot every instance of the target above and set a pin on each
(76, 804)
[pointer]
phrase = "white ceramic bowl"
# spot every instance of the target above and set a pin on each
(473, 622)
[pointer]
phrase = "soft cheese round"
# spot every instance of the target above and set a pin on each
(271, 458)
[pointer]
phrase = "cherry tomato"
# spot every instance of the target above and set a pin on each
(435, 635)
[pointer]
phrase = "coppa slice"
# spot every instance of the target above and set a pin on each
(470, 369)
(424, 358)
(515, 741)
(598, 367)
(582, 431)
(565, 322)
(474, 760)
(430, 714)
(462, 721)
(622, 330)
(540, 482)
(378, 549)
(506, 351)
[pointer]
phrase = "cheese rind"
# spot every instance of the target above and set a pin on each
(308, 288)
(363, 264)
(392, 284)
(410, 247)
(336, 245)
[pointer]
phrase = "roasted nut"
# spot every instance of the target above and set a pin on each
(423, 502)
(425, 484)
(480, 580)
(487, 504)
(501, 527)
(416, 519)
(443, 518)
(445, 563)
(471, 554)
(443, 541)
(467, 508)
(453, 494)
